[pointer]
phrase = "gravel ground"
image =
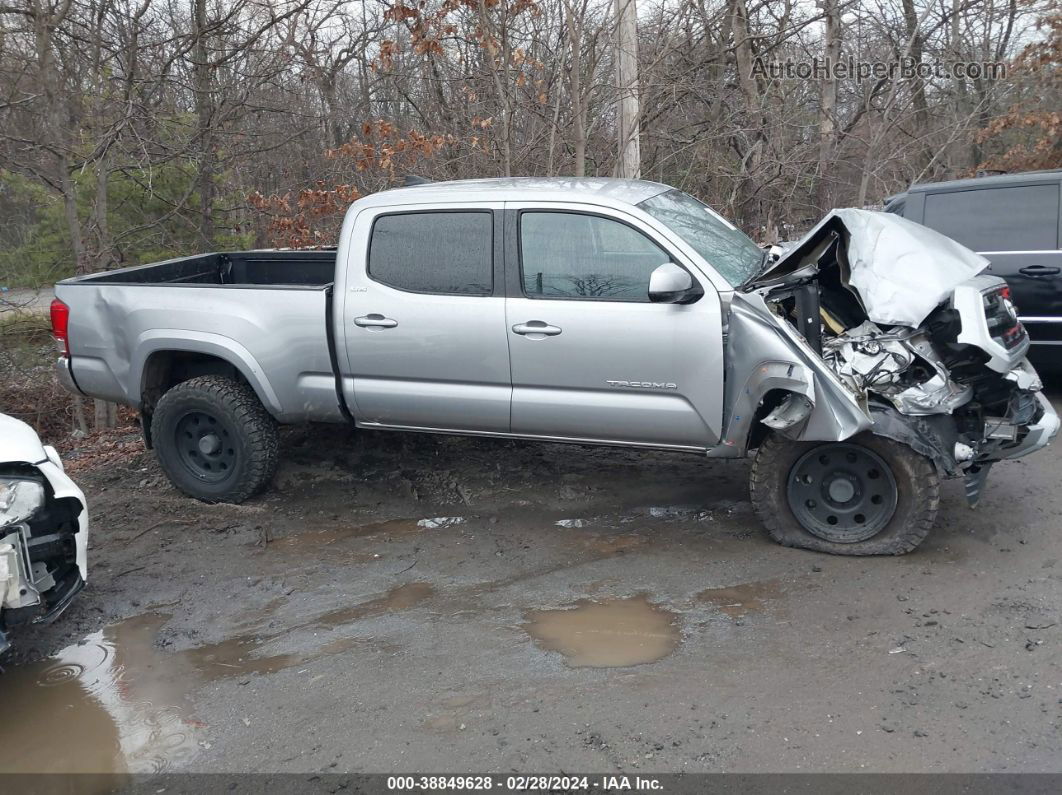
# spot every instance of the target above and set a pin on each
(416, 603)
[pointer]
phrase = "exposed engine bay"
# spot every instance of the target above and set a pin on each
(933, 352)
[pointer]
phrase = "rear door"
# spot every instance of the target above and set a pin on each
(424, 319)
(1016, 227)
(591, 357)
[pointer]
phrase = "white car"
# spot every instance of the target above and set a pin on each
(44, 527)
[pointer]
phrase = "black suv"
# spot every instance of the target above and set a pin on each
(1014, 220)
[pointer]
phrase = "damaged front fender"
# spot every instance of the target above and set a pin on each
(764, 356)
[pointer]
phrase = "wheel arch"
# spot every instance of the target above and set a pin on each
(764, 369)
(769, 400)
(162, 363)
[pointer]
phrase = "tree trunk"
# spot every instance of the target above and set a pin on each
(80, 423)
(755, 123)
(58, 125)
(963, 156)
(743, 55)
(73, 222)
(204, 110)
(498, 62)
(918, 86)
(106, 415)
(575, 89)
(104, 244)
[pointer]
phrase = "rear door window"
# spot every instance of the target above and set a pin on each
(447, 253)
(1022, 218)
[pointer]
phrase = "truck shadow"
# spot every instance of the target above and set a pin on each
(493, 474)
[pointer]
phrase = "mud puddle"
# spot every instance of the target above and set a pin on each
(737, 601)
(611, 633)
(115, 703)
(112, 703)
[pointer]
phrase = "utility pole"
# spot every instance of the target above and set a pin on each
(828, 104)
(629, 163)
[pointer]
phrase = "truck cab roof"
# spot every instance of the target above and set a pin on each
(600, 190)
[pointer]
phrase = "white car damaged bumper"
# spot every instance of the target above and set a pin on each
(44, 527)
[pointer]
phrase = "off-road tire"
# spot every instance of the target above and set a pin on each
(917, 499)
(252, 436)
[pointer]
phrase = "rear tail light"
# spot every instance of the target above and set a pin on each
(60, 325)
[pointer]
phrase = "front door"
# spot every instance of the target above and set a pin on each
(591, 357)
(423, 322)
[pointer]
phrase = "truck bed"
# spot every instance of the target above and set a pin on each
(313, 269)
(265, 313)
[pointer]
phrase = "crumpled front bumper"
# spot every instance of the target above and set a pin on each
(1039, 434)
(53, 601)
(17, 586)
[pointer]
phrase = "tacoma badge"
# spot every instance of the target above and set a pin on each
(643, 384)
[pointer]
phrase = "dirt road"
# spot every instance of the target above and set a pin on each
(392, 605)
(26, 300)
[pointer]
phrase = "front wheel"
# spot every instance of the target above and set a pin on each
(865, 496)
(214, 439)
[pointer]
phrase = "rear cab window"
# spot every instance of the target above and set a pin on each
(443, 252)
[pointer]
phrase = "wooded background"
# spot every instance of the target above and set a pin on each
(133, 130)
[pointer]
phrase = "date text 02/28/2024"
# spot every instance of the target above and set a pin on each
(525, 783)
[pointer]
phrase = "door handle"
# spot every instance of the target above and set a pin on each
(1040, 270)
(375, 321)
(536, 329)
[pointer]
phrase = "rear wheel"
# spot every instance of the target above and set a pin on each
(214, 439)
(864, 496)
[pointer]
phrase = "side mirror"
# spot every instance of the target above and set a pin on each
(670, 284)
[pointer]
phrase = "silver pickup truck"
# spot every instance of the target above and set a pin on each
(865, 364)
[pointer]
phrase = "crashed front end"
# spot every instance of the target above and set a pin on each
(927, 349)
(43, 531)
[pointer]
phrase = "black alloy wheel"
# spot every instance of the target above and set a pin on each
(843, 493)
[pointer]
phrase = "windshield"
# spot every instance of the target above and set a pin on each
(723, 246)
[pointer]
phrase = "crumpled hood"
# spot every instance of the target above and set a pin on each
(19, 443)
(901, 271)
